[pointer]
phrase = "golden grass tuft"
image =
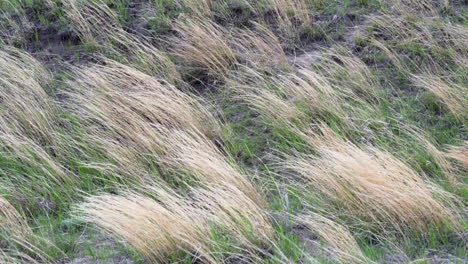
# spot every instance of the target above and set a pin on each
(203, 45)
(375, 187)
(122, 109)
(453, 95)
(342, 243)
(191, 153)
(26, 107)
(173, 223)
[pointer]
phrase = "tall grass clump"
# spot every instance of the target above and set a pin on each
(203, 46)
(29, 129)
(343, 245)
(171, 224)
(98, 26)
(18, 236)
(122, 109)
(375, 187)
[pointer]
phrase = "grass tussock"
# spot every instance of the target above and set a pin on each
(341, 242)
(15, 231)
(459, 153)
(378, 189)
(174, 223)
(193, 154)
(203, 46)
(27, 108)
(450, 93)
(120, 104)
(260, 49)
(353, 153)
(291, 98)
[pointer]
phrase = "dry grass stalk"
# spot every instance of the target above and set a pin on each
(98, 25)
(22, 150)
(374, 186)
(123, 108)
(28, 122)
(14, 24)
(459, 153)
(453, 95)
(260, 48)
(203, 45)
(27, 109)
(12, 221)
(291, 15)
(201, 8)
(335, 235)
(349, 74)
(17, 230)
(288, 98)
(158, 229)
(194, 154)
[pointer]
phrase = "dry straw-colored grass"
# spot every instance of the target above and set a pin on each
(26, 107)
(453, 95)
(259, 48)
(28, 123)
(459, 153)
(372, 185)
(14, 225)
(291, 15)
(98, 25)
(438, 40)
(340, 240)
(13, 221)
(191, 153)
(340, 86)
(203, 46)
(201, 8)
(122, 109)
(174, 223)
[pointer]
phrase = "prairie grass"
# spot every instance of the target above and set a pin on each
(173, 223)
(203, 46)
(98, 25)
(341, 241)
(15, 230)
(27, 108)
(375, 187)
(182, 130)
(450, 93)
(123, 111)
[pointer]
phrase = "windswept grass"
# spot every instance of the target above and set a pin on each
(272, 131)
(173, 224)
